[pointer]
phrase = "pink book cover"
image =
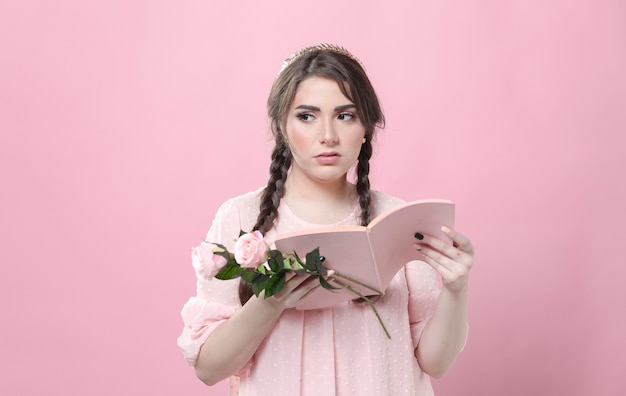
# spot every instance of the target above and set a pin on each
(372, 254)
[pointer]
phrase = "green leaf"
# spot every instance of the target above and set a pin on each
(314, 263)
(230, 271)
(275, 259)
(242, 232)
(249, 276)
(275, 284)
(277, 255)
(321, 269)
(326, 285)
(298, 259)
(259, 278)
(257, 288)
(311, 258)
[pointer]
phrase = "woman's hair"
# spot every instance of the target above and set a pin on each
(326, 61)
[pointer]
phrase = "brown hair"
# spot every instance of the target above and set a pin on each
(328, 62)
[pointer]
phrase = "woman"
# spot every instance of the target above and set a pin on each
(324, 114)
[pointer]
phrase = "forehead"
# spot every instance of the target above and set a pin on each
(319, 90)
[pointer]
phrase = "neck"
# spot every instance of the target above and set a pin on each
(308, 190)
(321, 203)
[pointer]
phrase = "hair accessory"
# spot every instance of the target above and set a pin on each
(320, 47)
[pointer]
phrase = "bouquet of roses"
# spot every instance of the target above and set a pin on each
(266, 269)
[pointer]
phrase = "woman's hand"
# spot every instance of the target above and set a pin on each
(445, 333)
(235, 341)
(297, 288)
(452, 262)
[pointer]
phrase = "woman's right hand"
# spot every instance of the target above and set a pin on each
(296, 289)
(235, 341)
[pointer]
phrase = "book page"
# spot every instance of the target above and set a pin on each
(392, 235)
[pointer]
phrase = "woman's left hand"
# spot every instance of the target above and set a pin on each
(452, 261)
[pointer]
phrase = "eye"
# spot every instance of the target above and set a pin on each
(345, 116)
(305, 117)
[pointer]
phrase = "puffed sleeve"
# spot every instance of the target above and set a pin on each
(424, 290)
(216, 300)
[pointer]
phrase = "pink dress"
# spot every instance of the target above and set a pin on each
(340, 350)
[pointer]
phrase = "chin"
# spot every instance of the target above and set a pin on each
(327, 179)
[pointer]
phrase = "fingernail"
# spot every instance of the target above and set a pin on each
(445, 229)
(322, 258)
(419, 236)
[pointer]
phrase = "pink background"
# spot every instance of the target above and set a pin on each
(124, 124)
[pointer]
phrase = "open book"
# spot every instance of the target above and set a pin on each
(373, 254)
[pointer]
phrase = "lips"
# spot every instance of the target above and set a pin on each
(328, 158)
(329, 154)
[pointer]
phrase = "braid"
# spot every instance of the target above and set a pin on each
(363, 181)
(275, 189)
(270, 200)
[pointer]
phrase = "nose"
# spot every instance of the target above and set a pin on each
(328, 135)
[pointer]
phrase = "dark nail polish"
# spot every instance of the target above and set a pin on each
(322, 258)
(419, 236)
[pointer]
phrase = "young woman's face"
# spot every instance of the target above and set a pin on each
(323, 131)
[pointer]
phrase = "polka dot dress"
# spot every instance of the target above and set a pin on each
(341, 350)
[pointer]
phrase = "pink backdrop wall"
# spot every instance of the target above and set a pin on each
(124, 124)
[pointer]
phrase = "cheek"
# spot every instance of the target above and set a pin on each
(355, 139)
(298, 140)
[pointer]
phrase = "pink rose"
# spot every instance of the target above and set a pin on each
(205, 261)
(250, 250)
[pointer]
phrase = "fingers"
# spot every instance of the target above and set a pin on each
(296, 288)
(295, 282)
(460, 244)
(459, 240)
(451, 261)
(440, 246)
(440, 263)
(436, 258)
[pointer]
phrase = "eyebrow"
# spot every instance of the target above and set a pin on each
(315, 108)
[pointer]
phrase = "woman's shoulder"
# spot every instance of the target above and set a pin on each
(245, 199)
(242, 208)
